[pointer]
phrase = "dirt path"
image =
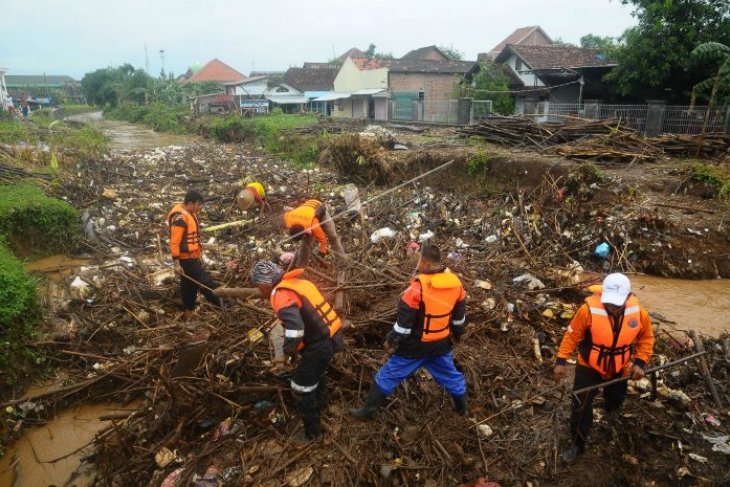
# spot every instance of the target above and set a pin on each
(126, 136)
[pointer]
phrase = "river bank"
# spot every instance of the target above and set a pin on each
(126, 339)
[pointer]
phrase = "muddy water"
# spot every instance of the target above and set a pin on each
(127, 136)
(28, 463)
(700, 305)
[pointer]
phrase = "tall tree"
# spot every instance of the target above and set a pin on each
(717, 88)
(491, 83)
(654, 59)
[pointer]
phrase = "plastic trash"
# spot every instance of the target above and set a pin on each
(173, 479)
(425, 236)
(211, 478)
(485, 431)
(412, 248)
(381, 234)
(532, 281)
(80, 289)
(491, 239)
(602, 250)
(455, 256)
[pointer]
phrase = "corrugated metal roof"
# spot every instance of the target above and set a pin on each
(288, 100)
(368, 91)
(332, 97)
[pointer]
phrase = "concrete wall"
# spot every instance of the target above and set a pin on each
(528, 79)
(349, 78)
(565, 94)
(342, 108)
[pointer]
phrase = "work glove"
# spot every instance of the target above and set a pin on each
(559, 372)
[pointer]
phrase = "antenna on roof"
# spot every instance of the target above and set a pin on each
(162, 60)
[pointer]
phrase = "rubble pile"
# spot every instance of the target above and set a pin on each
(606, 140)
(214, 412)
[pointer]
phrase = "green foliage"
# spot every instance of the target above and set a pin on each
(478, 164)
(451, 52)
(268, 131)
(492, 83)
(81, 140)
(75, 109)
(12, 131)
(717, 88)
(654, 58)
(31, 220)
(111, 87)
(18, 315)
(712, 176)
(373, 53)
(608, 46)
(161, 117)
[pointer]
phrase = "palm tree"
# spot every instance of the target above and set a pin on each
(713, 51)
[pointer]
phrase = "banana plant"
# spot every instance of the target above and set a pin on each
(713, 51)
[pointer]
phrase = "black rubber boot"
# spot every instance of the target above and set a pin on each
(570, 455)
(460, 404)
(373, 402)
(310, 418)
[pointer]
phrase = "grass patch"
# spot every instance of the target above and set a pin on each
(32, 223)
(158, 116)
(79, 140)
(73, 109)
(269, 132)
(19, 314)
(713, 176)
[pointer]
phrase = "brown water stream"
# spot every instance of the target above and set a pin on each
(127, 136)
(46, 455)
(694, 305)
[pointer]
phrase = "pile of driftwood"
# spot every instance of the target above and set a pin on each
(605, 140)
(212, 403)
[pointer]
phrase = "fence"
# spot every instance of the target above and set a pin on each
(653, 119)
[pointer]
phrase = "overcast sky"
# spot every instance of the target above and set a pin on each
(76, 36)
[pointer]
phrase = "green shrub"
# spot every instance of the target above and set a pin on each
(12, 131)
(158, 116)
(18, 316)
(31, 221)
(712, 176)
(232, 129)
(74, 109)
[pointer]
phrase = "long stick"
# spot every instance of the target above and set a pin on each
(653, 369)
(705, 369)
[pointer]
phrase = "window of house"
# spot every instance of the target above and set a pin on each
(518, 64)
(421, 95)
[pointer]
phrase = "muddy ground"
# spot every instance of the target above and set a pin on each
(216, 406)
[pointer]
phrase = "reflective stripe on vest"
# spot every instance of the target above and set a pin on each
(609, 353)
(439, 294)
(310, 295)
(302, 215)
(190, 246)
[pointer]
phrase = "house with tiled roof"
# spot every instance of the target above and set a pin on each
(218, 71)
(428, 53)
(360, 88)
(353, 52)
(532, 35)
(558, 73)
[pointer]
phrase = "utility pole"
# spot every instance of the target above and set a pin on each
(162, 60)
(146, 59)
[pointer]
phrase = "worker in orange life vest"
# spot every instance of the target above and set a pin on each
(312, 328)
(430, 312)
(187, 252)
(253, 192)
(311, 219)
(614, 337)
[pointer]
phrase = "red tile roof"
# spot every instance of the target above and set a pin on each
(516, 37)
(216, 70)
(557, 56)
(364, 64)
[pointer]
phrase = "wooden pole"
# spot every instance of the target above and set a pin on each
(705, 369)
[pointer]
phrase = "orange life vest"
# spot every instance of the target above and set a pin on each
(602, 349)
(315, 310)
(439, 294)
(302, 215)
(190, 246)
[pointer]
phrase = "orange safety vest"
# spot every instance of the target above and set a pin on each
(302, 215)
(439, 294)
(603, 350)
(315, 309)
(190, 246)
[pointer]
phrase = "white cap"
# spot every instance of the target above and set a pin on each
(616, 288)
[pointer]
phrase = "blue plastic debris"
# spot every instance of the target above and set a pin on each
(602, 250)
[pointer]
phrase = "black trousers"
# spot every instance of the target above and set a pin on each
(309, 386)
(581, 415)
(189, 289)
